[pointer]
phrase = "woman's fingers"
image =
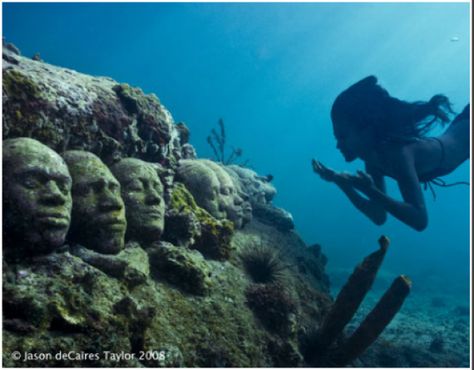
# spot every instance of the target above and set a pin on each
(325, 173)
(316, 165)
(360, 179)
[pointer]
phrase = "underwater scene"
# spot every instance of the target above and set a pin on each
(236, 185)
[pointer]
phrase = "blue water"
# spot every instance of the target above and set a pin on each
(272, 71)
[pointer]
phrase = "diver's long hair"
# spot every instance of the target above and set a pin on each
(366, 103)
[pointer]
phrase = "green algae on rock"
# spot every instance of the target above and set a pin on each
(184, 268)
(67, 110)
(212, 237)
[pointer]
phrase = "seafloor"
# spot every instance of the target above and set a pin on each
(431, 330)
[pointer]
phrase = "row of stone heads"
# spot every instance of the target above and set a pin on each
(48, 198)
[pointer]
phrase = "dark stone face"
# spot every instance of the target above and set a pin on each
(257, 187)
(98, 214)
(142, 193)
(203, 184)
(36, 195)
(229, 199)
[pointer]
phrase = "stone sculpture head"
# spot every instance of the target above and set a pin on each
(188, 151)
(202, 183)
(246, 204)
(36, 196)
(230, 200)
(142, 192)
(98, 213)
(259, 189)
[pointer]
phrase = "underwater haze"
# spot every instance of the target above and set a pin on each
(271, 71)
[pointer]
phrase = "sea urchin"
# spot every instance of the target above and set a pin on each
(264, 264)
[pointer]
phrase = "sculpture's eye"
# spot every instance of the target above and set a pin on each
(31, 182)
(82, 190)
(97, 186)
(64, 186)
(114, 187)
(158, 187)
(225, 191)
(135, 185)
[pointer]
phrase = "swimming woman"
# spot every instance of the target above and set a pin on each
(389, 135)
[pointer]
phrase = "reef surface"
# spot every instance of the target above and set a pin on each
(193, 297)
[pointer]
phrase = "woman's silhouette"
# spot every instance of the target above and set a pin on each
(389, 135)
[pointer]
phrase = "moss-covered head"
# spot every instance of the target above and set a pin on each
(142, 192)
(229, 198)
(98, 214)
(203, 184)
(36, 195)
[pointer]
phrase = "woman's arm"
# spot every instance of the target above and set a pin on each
(411, 210)
(368, 206)
(346, 183)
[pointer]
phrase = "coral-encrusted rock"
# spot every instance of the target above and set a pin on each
(273, 306)
(274, 216)
(130, 265)
(182, 267)
(189, 225)
(285, 354)
(65, 110)
(60, 294)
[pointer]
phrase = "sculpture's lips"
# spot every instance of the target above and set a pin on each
(111, 223)
(247, 209)
(54, 219)
(154, 213)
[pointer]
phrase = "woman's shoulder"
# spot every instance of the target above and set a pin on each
(464, 115)
(390, 157)
(391, 151)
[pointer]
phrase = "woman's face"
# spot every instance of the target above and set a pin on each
(353, 142)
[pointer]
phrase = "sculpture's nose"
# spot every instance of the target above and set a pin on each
(52, 194)
(152, 197)
(110, 201)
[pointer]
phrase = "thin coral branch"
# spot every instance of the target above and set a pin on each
(221, 125)
(211, 143)
(217, 141)
(222, 137)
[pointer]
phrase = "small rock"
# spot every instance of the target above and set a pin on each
(274, 216)
(12, 48)
(181, 267)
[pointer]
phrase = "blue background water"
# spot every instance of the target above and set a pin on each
(272, 71)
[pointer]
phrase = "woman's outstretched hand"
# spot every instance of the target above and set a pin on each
(361, 181)
(328, 174)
